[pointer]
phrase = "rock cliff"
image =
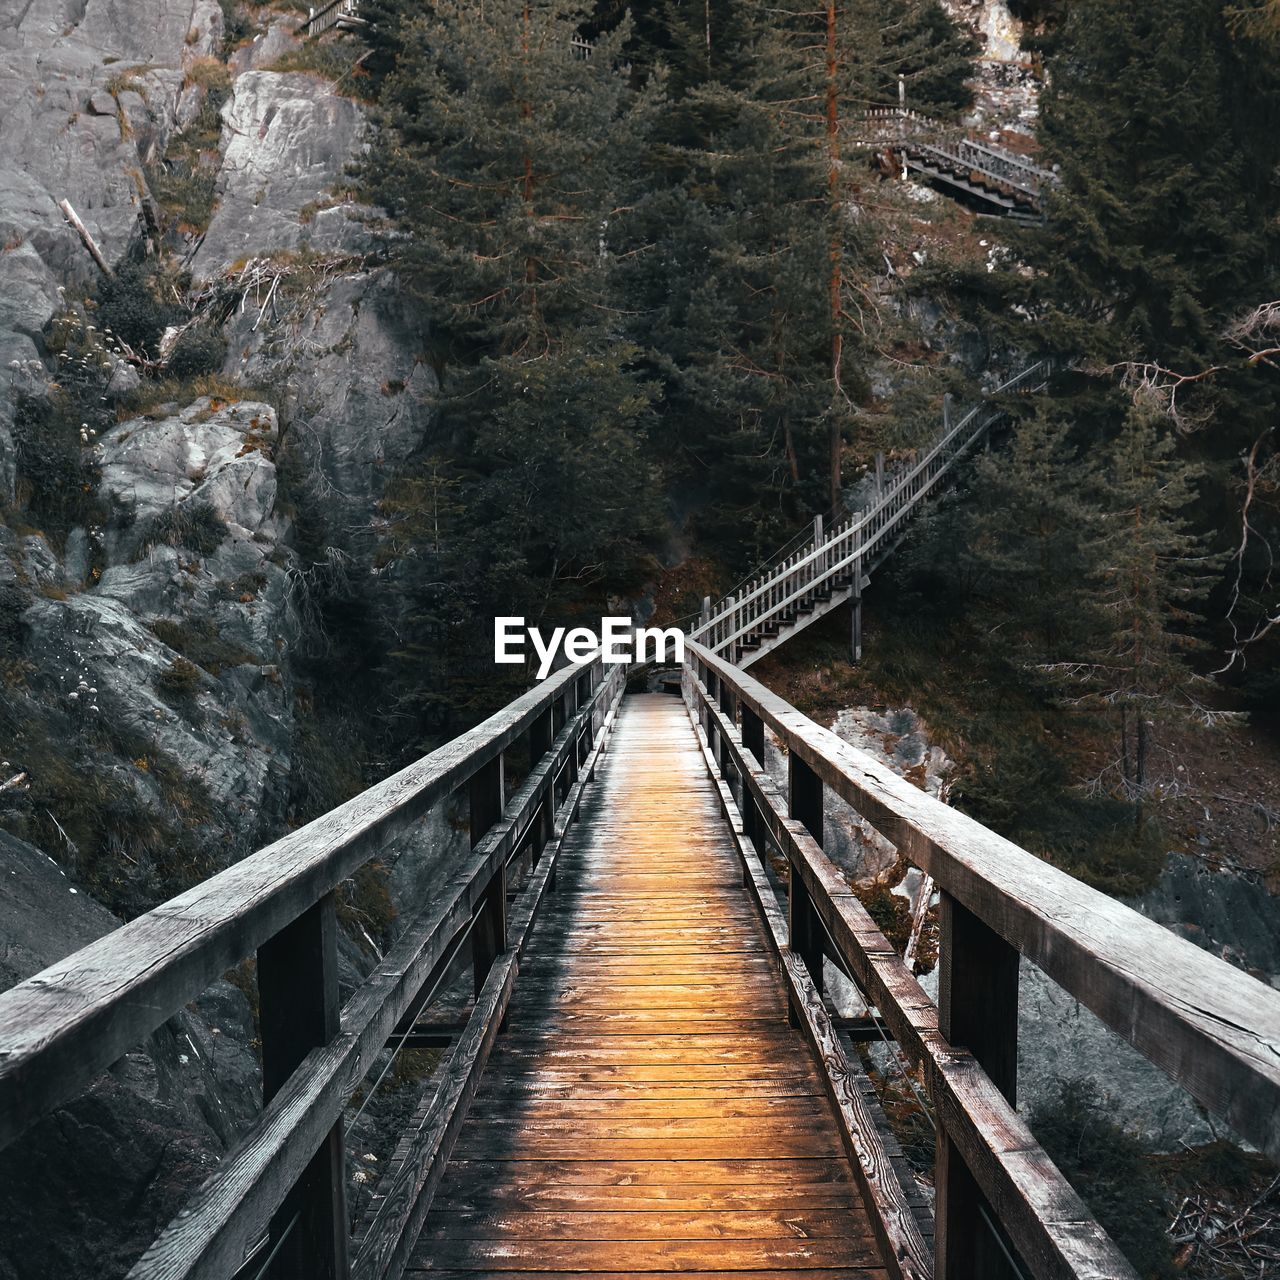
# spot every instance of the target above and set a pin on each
(251, 363)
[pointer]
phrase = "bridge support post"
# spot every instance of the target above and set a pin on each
(299, 1011)
(568, 708)
(489, 934)
(752, 823)
(978, 1011)
(803, 926)
(541, 736)
(855, 639)
(724, 757)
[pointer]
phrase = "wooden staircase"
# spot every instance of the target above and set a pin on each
(831, 568)
(1004, 181)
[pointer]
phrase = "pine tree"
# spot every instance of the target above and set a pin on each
(725, 274)
(1152, 573)
(912, 42)
(1033, 539)
(503, 155)
(1164, 129)
(1164, 122)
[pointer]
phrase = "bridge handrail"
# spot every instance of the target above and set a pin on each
(981, 1137)
(851, 543)
(327, 16)
(235, 1205)
(63, 1027)
(1211, 1027)
(897, 124)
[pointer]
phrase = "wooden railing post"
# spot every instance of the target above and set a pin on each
(708, 720)
(978, 1011)
(804, 927)
(724, 756)
(855, 638)
(489, 934)
(541, 736)
(569, 707)
(300, 1010)
(752, 823)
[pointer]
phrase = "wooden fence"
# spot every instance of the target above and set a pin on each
(331, 15)
(280, 1192)
(1211, 1027)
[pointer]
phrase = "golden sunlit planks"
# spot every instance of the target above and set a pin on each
(648, 1110)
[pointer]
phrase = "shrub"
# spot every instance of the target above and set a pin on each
(200, 351)
(202, 643)
(366, 908)
(194, 525)
(1109, 1168)
(335, 59)
(129, 305)
(180, 681)
(184, 180)
(129, 852)
(57, 478)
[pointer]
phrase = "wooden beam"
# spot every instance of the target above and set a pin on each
(1049, 1224)
(299, 1011)
(489, 935)
(1211, 1027)
(85, 238)
(209, 1237)
(978, 1011)
(906, 1251)
(404, 1197)
(63, 1027)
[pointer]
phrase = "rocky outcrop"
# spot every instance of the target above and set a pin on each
(113, 1166)
(288, 138)
(1007, 88)
(350, 353)
(1224, 912)
(89, 91)
(211, 456)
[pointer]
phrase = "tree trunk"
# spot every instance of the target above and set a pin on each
(1140, 770)
(836, 282)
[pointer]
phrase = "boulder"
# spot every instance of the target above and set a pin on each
(70, 132)
(212, 455)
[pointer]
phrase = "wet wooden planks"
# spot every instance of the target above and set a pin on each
(648, 1111)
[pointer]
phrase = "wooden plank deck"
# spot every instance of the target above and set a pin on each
(648, 1110)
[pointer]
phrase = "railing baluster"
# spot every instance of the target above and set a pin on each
(541, 736)
(978, 1011)
(752, 822)
(489, 934)
(804, 927)
(299, 1010)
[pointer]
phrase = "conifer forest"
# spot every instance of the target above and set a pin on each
(916, 362)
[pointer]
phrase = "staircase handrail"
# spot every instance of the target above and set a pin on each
(864, 532)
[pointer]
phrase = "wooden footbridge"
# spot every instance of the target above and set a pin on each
(649, 1079)
(999, 180)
